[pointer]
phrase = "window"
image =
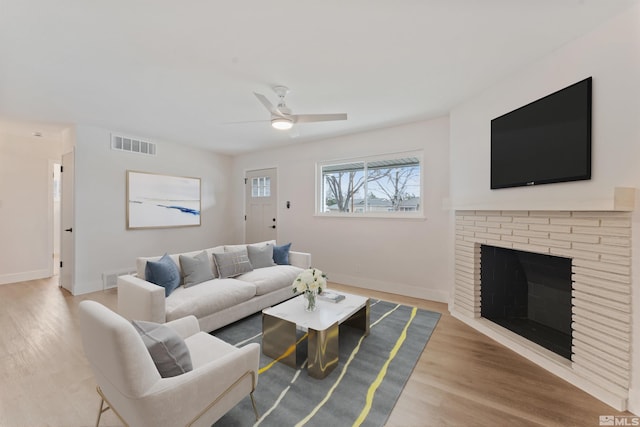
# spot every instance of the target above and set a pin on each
(261, 187)
(384, 186)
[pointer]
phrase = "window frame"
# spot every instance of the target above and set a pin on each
(319, 187)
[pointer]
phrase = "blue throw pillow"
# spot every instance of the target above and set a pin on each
(281, 254)
(163, 272)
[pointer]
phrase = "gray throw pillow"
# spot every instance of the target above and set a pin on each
(260, 256)
(196, 269)
(163, 272)
(167, 349)
(231, 264)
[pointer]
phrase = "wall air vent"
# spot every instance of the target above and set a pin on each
(132, 145)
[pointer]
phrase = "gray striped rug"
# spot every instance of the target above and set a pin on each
(362, 390)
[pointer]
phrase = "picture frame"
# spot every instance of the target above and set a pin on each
(162, 201)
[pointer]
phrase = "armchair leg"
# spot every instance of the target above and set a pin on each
(100, 411)
(255, 409)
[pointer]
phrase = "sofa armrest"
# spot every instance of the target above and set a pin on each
(185, 326)
(140, 300)
(300, 259)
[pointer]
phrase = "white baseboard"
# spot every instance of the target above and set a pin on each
(633, 404)
(391, 287)
(24, 276)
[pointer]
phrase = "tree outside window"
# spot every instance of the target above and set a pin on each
(390, 186)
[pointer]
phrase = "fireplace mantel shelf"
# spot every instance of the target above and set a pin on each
(621, 200)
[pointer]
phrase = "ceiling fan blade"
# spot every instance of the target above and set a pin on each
(308, 118)
(268, 105)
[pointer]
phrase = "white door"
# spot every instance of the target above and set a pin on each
(261, 219)
(67, 241)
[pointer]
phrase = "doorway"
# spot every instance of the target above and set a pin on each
(261, 201)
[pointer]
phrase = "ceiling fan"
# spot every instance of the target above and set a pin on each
(281, 117)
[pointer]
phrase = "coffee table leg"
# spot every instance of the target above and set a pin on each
(360, 319)
(279, 339)
(323, 351)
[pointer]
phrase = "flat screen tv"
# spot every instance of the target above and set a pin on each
(546, 141)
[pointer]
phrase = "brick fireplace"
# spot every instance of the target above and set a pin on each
(598, 243)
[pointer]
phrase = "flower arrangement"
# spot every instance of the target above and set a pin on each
(310, 279)
(310, 283)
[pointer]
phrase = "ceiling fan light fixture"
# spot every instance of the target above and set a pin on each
(281, 123)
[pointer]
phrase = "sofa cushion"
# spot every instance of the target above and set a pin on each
(168, 350)
(196, 269)
(260, 256)
(141, 262)
(270, 279)
(231, 264)
(281, 254)
(163, 272)
(234, 248)
(208, 297)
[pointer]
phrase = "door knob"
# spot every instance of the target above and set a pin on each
(273, 226)
(68, 229)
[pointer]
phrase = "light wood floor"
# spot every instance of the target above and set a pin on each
(462, 379)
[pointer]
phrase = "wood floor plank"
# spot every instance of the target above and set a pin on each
(463, 378)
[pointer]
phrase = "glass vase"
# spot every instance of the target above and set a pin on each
(310, 300)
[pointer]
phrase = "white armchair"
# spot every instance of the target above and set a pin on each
(131, 386)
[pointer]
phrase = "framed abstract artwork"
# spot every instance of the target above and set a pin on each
(161, 201)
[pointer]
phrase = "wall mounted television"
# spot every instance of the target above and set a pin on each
(546, 141)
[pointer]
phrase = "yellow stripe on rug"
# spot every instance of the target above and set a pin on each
(383, 372)
(354, 352)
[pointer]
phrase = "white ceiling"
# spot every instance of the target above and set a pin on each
(181, 70)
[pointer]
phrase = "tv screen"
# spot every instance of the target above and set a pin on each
(546, 141)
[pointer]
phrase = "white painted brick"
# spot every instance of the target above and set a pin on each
(530, 220)
(600, 284)
(581, 333)
(551, 214)
(622, 326)
(531, 248)
(603, 231)
(550, 228)
(550, 243)
(599, 214)
(600, 327)
(583, 238)
(596, 308)
(612, 296)
(501, 231)
(475, 240)
(616, 241)
(611, 372)
(603, 382)
(528, 233)
(617, 360)
(614, 259)
(618, 222)
(572, 253)
(605, 303)
(603, 266)
(515, 213)
(514, 226)
(585, 222)
(603, 249)
(488, 236)
(478, 229)
(499, 219)
(475, 218)
(516, 239)
(466, 245)
(500, 244)
(485, 213)
(465, 222)
(464, 233)
(618, 278)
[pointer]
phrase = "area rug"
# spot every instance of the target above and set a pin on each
(362, 390)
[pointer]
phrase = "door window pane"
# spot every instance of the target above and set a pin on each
(261, 187)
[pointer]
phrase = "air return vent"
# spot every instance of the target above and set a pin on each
(132, 145)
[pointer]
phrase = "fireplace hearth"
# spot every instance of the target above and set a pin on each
(529, 294)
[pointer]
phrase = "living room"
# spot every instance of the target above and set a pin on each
(409, 257)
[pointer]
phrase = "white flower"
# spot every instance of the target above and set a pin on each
(310, 279)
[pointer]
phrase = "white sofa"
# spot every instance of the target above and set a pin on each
(215, 303)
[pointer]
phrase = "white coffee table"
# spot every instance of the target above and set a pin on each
(279, 330)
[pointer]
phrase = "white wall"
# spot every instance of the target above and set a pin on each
(611, 54)
(103, 244)
(402, 256)
(26, 245)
